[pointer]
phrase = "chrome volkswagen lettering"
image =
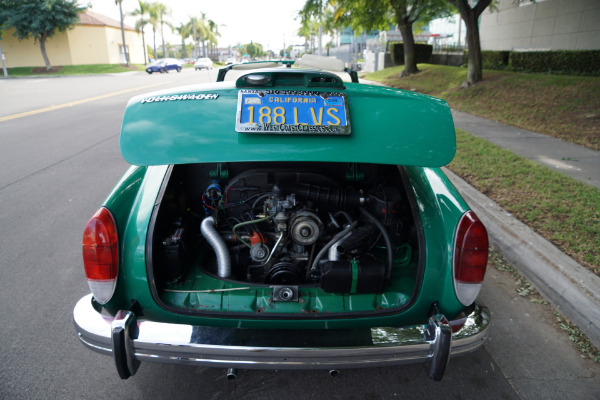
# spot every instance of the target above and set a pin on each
(200, 96)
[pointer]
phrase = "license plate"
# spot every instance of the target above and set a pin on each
(292, 112)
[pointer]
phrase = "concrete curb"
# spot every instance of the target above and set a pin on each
(572, 288)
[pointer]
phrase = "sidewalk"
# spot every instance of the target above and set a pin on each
(570, 287)
(575, 161)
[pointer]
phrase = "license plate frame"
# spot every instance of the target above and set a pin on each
(304, 112)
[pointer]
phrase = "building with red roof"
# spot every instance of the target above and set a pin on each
(96, 39)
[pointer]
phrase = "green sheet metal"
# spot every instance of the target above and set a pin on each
(197, 124)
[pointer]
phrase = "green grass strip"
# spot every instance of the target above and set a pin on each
(567, 107)
(89, 69)
(564, 211)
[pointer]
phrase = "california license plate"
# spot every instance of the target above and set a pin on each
(292, 112)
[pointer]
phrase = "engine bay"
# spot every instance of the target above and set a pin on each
(337, 227)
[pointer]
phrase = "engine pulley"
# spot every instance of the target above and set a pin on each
(305, 227)
(285, 273)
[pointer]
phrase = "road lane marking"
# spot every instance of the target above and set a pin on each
(77, 102)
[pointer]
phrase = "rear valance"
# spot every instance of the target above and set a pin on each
(198, 124)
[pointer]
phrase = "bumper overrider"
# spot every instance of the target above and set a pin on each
(131, 340)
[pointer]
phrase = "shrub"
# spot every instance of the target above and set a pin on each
(494, 59)
(571, 62)
(422, 52)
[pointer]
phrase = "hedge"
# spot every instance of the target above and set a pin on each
(495, 59)
(422, 52)
(565, 62)
(570, 62)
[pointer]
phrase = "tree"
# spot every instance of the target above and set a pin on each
(157, 12)
(201, 32)
(141, 12)
(162, 12)
(317, 17)
(184, 32)
(407, 13)
(213, 34)
(153, 20)
(40, 19)
(253, 50)
(367, 15)
(196, 28)
(150, 52)
(123, 33)
(309, 30)
(471, 15)
(3, 16)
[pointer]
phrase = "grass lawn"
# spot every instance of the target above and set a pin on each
(88, 69)
(567, 107)
(561, 209)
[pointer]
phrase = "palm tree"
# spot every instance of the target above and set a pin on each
(212, 37)
(162, 12)
(140, 23)
(309, 30)
(153, 20)
(198, 27)
(184, 31)
(203, 32)
(317, 18)
(123, 33)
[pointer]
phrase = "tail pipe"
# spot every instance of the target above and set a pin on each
(207, 227)
(231, 374)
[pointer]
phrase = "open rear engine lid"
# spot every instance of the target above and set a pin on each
(313, 120)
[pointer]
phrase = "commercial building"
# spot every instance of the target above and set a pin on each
(541, 25)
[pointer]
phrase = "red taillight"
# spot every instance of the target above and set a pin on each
(101, 254)
(470, 257)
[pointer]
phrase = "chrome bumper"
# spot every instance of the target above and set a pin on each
(130, 341)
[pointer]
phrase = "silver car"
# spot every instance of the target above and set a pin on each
(202, 63)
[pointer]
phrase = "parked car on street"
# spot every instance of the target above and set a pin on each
(203, 63)
(164, 65)
(230, 60)
(284, 220)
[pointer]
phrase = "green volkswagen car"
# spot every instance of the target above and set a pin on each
(285, 219)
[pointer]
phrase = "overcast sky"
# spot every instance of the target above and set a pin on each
(268, 22)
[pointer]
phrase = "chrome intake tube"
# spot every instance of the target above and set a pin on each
(207, 227)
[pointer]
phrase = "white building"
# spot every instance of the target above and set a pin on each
(542, 25)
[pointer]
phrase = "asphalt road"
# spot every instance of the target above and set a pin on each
(59, 159)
